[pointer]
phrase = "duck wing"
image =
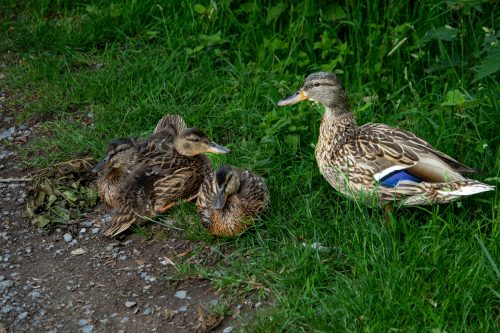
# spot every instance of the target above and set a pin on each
(393, 155)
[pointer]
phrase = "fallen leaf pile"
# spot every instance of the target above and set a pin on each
(62, 192)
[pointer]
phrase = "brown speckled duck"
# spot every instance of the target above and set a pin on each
(377, 163)
(167, 167)
(229, 200)
(121, 155)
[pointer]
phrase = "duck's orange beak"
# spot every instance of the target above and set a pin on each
(295, 98)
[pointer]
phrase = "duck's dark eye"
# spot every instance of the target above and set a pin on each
(317, 84)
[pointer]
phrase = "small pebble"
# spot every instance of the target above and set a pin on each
(6, 284)
(181, 294)
(22, 316)
(95, 231)
(124, 320)
(83, 230)
(35, 294)
(87, 224)
(182, 308)
(83, 322)
(88, 328)
(130, 304)
(147, 311)
(7, 309)
(67, 237)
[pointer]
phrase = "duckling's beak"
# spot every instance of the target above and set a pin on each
(220, 201)
(218, 149)
(295, 98)
(98, 167)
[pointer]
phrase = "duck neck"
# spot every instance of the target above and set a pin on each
(337, 127)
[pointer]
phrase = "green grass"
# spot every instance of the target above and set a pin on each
(430, 67)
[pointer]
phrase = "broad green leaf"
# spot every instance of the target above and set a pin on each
(446, 33)
(454, 97)
(41, 220)
(275, 12)
(61, 212)
(490, 65)
(70, 195)
(200, 9)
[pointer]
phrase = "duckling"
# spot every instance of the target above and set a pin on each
(229, 200)
(113, 169)
(375, 161)
(165, 173)
(121, 156)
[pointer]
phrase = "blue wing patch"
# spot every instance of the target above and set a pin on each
(392, 179)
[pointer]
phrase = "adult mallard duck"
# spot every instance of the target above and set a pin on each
(378, 163)
(229, 199)
(121, 155)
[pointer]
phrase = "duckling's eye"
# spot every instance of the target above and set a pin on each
(317, 84)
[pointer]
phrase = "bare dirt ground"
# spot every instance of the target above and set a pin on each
(75, 280)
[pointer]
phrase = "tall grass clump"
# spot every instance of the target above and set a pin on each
(95, 70)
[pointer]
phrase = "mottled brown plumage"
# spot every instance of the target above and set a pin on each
(230, 199)
(377, 163)
(122, 155)
(169, 166)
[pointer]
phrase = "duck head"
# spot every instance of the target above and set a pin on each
(118, 154)
(226, 183)
(193, 142)
(324, 88)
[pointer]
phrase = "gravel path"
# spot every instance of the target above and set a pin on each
(75, 280)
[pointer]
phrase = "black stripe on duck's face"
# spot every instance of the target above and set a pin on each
(221, 175)
(98, 167)
(220, 199)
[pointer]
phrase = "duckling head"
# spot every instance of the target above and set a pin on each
(118, 154)
(226, 183)
(324, 88)
(193, 142)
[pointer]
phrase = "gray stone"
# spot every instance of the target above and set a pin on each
(7, 309)
(87, 224)
(87, 328)
(7, 134)
(35, 294)
(124, 320)
(181, 294)
(130, 304)
(67, 237)
(147, 311)
(2, 277)
(182, 308)
(6, 284)
(83, 322)
(22, 316)
(95, 231)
